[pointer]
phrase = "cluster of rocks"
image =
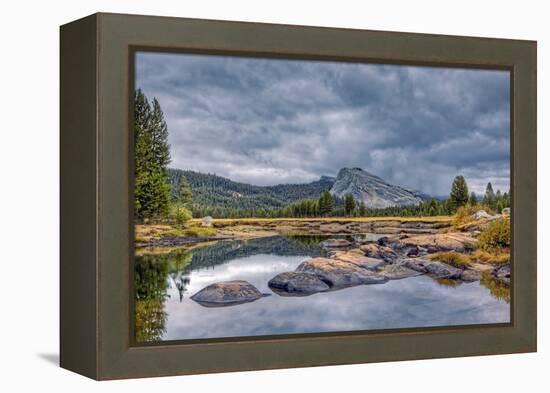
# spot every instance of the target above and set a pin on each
(350, 264)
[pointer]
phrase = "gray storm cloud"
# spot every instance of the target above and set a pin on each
(270, 121)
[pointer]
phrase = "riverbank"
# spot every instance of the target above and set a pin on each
(438, 246)
(196, 231)
(256, 227)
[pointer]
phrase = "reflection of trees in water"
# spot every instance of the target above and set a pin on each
(181, 281)
(312, 241)
(150, 293)
(150, 321)
(151, 273)
(224, 251)
(498, 289)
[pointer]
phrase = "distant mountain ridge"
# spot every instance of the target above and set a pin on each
(214, 190)
(375, 192)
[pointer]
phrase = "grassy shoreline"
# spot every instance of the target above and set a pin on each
(246, 228)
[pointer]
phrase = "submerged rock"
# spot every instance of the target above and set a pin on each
(397, 272)
(335, 243)
(339, 274)
(359, 260)
(297, 284)
(227, 293)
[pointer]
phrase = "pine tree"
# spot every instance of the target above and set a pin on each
(349, 204)
(159, 134)
(326, 204)
(489, 198)
(362, 209)
(506, 198)
(459, 193)
(151, 156)
(184, 192)
(473, 199)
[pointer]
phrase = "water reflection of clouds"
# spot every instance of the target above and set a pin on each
(412, 302)
(257, 269)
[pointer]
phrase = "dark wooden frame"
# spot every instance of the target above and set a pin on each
(96, 220)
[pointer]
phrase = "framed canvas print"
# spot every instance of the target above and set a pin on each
(240, 196)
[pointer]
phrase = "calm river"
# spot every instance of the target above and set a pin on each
(165, 282)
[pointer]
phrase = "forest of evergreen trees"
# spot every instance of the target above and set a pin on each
(162, 193)
(328, 206)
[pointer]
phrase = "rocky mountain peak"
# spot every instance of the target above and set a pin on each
(375, 192)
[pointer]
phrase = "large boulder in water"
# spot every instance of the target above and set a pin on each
(227, 293)
(340, 274)
(297, 284)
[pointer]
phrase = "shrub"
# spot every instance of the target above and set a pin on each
(452, 258)
(496, 236)
(180, 215)
(495, 258)
(463, 214)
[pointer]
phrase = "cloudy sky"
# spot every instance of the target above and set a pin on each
(267, 121)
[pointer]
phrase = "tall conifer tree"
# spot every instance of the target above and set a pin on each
(489, 198)
(151, 157)
(473, 199)
(459, 193)
(349, 204)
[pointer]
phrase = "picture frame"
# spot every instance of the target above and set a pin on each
(96, 261)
